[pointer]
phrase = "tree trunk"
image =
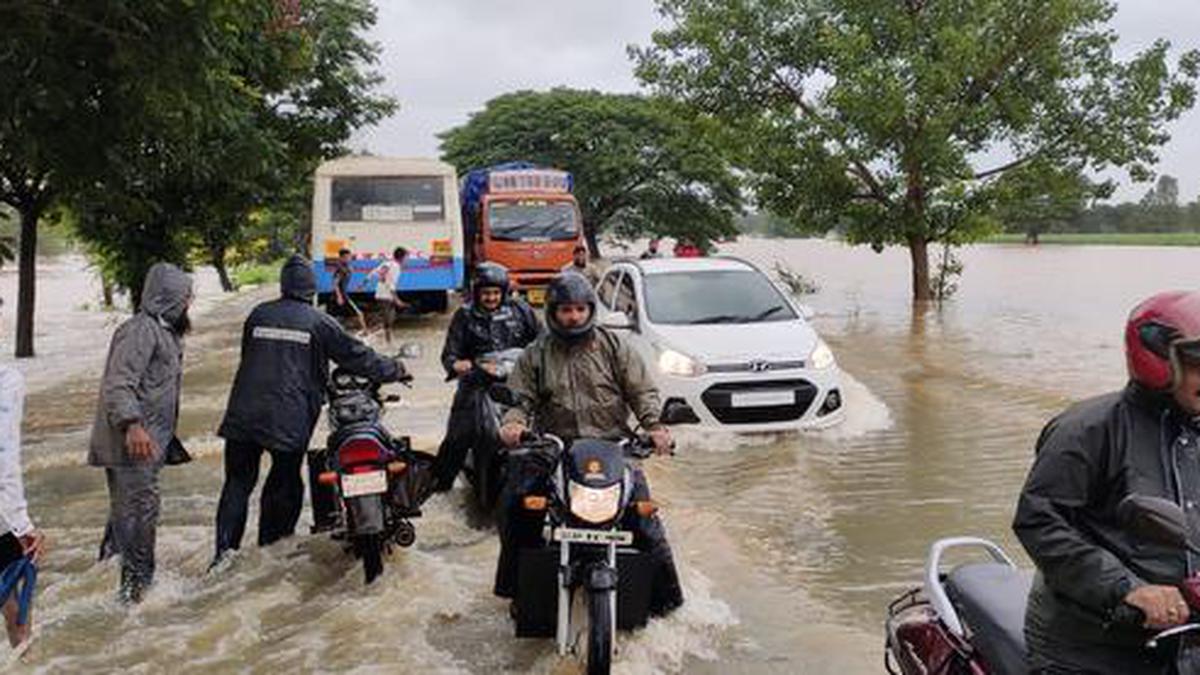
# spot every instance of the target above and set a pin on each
(216, 257)
(106, 289)
(918, 248)
(593, 242)
(26, 279)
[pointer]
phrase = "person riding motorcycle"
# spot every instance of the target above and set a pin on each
(1144, 439)
(579, 380)
(492, 322)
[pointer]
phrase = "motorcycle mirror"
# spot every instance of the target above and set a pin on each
(1154, 520)
(410, 350)
(678, 412)
(502, 395)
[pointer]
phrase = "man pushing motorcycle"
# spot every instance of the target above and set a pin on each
(1144, 439)
(579, 380)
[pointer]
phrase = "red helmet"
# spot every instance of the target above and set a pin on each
(1156, 330)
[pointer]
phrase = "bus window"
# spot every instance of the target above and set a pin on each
(386, 198)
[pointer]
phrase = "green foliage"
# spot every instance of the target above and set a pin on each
(257, 274)
(642, 167)
(1105, 239)
(877, 119)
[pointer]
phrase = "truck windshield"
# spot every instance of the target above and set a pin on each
(386, 198)
(533, 220)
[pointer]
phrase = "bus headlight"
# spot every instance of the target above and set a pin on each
(822, 356)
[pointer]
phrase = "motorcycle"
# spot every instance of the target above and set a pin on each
(374, 481)
(589, 495)
(971, 621)
(484, 464)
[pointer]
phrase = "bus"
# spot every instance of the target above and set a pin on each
(369, 206)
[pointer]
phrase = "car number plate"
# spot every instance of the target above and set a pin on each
(360, 484)
(574, 536)
(758, 399)
(536, 296)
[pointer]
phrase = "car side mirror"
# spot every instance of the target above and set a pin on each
(1155, 520)
(806, 311)
(618, 321)
(503, 395)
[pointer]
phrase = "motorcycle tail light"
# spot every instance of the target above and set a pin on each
(363, 450)
(595, 505)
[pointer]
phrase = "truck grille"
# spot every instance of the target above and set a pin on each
(718, 400)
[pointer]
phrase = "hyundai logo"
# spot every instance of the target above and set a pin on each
(760, 366)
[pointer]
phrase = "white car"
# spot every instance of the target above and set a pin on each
(723, 340)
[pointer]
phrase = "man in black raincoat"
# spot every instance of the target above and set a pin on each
(492, 322)
(135, 421)
(1142, 440)
(277, 396)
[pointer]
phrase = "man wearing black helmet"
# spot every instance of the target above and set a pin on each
(493, 321)
(580, 380)
(1144, 439)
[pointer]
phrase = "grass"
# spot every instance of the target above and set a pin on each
(255, 274)
(1105, 239)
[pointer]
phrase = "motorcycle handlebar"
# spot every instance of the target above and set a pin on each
(1128, 616)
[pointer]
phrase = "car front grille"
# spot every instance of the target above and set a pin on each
(718, 399)
(758, 366)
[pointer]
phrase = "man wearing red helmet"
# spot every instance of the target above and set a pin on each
(1144, 439)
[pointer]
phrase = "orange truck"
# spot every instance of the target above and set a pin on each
(524, 217)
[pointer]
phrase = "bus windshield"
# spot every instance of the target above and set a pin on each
(533, 220)
(386, 198)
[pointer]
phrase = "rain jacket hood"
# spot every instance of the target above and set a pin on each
(166, 292)
(297, 280)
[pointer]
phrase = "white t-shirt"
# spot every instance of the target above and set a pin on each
(14, 516)
(387, 273)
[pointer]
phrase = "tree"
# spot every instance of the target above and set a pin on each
(1037, 202)
(896, 120)
(641, 166)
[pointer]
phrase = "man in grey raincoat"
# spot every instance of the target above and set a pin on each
(136, 419)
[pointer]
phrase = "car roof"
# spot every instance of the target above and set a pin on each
(670, 265)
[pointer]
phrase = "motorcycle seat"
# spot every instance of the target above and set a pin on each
(990, 599)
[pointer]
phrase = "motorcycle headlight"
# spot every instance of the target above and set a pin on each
(671, 362)
(594, 505)
(822, 356)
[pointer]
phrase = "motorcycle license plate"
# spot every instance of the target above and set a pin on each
(360, 484)
(758, 399)
(605, 537)
(536, 296)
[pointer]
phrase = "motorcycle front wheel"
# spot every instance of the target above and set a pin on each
(600, 627)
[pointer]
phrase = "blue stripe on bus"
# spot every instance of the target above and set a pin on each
(417, 275)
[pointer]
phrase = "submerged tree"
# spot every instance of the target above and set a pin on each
(896, 121)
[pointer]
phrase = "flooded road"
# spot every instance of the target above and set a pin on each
(789, 545)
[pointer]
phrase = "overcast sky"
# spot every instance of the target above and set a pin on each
(445, 59)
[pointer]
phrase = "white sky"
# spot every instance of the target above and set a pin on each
(445, 59)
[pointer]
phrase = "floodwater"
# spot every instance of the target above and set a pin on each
(789, 545)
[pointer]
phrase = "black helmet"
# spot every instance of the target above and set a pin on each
(490, 274)
(570, 288)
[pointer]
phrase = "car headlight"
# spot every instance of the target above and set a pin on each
(822, 356)
(595, 505)
(671, 362)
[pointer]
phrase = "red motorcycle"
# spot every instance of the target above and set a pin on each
(971, 620)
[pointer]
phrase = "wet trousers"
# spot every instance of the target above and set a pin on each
(282, 495)
(519, 529)
(133, 498)
(463, 430)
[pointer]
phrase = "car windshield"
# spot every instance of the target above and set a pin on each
(717, 296)
(533, 220)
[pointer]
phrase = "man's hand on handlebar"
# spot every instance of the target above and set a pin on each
(462, 367)
(661, 437)
(510, 434)
(1163, 606)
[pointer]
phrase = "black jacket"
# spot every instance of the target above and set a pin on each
(286, 348)
(1088, 459)
(474, 332)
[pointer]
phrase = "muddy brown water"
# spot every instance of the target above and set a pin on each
(790, 545)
